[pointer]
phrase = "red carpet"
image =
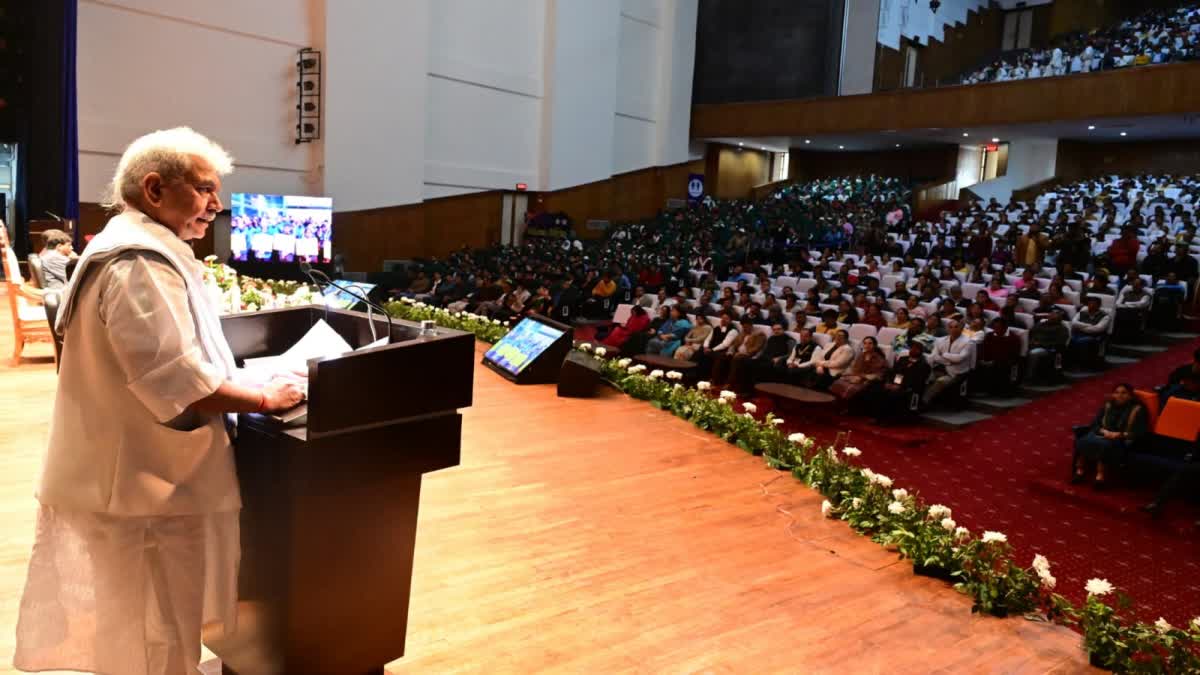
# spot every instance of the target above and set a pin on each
(1009, 474)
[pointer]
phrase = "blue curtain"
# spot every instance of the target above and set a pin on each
(70, 143)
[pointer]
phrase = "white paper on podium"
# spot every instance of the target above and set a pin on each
(321, 341)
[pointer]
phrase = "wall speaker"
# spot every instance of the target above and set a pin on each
(579, 377)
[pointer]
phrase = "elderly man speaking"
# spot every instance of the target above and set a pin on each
(137, 535)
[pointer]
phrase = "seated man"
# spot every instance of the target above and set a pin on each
(1193, 366)
(909, 376)
(749, 347)
(1167, 308)
(1133, 309)
(55, 256)
(798, 367)
(1048, 339)
(1000, 359)
(717, 347)
(951, 359)
(1089, 330)
(774, 354)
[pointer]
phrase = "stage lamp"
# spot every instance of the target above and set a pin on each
(934, 4)
(309, 106)
(307, 64)
(309, 85)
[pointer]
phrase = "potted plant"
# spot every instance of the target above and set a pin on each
(930, 543)
(987, 573)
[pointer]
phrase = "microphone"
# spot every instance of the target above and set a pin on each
(354, 291)
(55, 216)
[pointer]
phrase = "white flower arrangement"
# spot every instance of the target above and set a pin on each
(703, 386)
(585, 347)
(727, 395)
(210, 258)
(990, 537)
(748, 416)
(678, 386)
(624, 363)
(962, 532)
(896, 508)
(496, 322)
(851, 451)
(601, 351)
(674, 375)
(939, 512)
(899, 494)
(777, 421)
(639, 368)
(749, 407)
(1196, 623)
(856, 502)
(882, 481)
(656, 374)
(868, 474)
(948, 524)
(1098, 587)
(1162, 626)
(826, 507)
(798, 438)
(1042, 566)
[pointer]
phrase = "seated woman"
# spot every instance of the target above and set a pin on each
(874, 317)
(996, 290)
(637, 322)
(901, 393)
(868, 368)
(693, 342)
(836, 358)
(847, 314)
(636, 343)
(828, 323)
(899, 319)
(670, 333)
(1117, 427)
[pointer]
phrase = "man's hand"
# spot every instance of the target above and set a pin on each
(280, 395)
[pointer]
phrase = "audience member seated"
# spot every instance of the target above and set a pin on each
(670, 333)
(1132, 311)
(693, 342)
(868, 369)
(55, 257)
(1118, 426)
(833, 361)
(1048, 340)
(798, 368)
(775, 354)
(750, 344)
(638, 322)
(951, 360)
(1089, 331)
(718, 347)
(900, 396)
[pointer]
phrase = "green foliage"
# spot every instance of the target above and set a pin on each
(989, 575)
(486, 330)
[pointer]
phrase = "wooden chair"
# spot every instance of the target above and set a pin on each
(28, 314)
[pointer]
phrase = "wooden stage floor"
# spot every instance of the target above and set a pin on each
(603, 536)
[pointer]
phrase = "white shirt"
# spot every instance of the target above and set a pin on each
(954, 355)
(122, 440)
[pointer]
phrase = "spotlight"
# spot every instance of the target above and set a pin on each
(307, 64)
(1091, 127)
(995, 140)
(806, 141)
(934, 4)
(897, 145)
(309, 85)
(309, 128)
(841, 147)
(965, 134)
(309, 106)
(1124, 134)
(740, 144)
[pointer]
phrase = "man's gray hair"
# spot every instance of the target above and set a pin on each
(167, 152)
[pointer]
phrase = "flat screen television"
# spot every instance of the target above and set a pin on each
(528, 341)
(280, 228)
(339, 298)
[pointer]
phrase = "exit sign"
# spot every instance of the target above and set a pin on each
(521, 187)
(992, 147)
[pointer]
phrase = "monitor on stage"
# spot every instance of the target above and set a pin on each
(280, 228)
(532, 351)
(342, 298)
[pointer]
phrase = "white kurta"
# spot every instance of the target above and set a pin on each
(137, 537)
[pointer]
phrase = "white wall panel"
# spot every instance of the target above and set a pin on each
(646, 11)
(638, 69)
(376, 63)
(677, 60)
(633, 144)
(479, 137)
(495, 44)
(232, 86)
(288, 21)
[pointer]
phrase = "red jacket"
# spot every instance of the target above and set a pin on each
(1123, 253)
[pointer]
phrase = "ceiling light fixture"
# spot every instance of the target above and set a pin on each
(897, 145)
(841, 147)
(740, 144)
(995, 140)
(806, 141)
(965, 134)
(1091, 127)
(1124, 134)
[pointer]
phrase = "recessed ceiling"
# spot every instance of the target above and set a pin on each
(1161, 127)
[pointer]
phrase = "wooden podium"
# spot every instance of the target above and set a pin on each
(329, 512)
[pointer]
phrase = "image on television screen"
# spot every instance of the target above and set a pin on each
(522, 345)
(341, 298)
(281, 228)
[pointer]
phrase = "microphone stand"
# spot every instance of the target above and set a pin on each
(354, 291)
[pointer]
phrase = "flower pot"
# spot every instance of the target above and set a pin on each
(999, 611)
(933, 572)
(1097, 661)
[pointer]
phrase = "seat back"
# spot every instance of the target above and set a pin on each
(1149, 400)
(51, 301)
(37, 273)
(1180, 419)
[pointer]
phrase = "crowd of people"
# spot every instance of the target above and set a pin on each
(833, 285)
(1157, 36)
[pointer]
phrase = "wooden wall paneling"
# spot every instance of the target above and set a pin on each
(962, 48)
(624, 197)
(916, 165)
(468, 220)
(739, 170)
(367, 238)
(93, 217)
(1081, 159)
(1132, 92)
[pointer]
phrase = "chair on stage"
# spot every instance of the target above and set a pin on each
(28, 315)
